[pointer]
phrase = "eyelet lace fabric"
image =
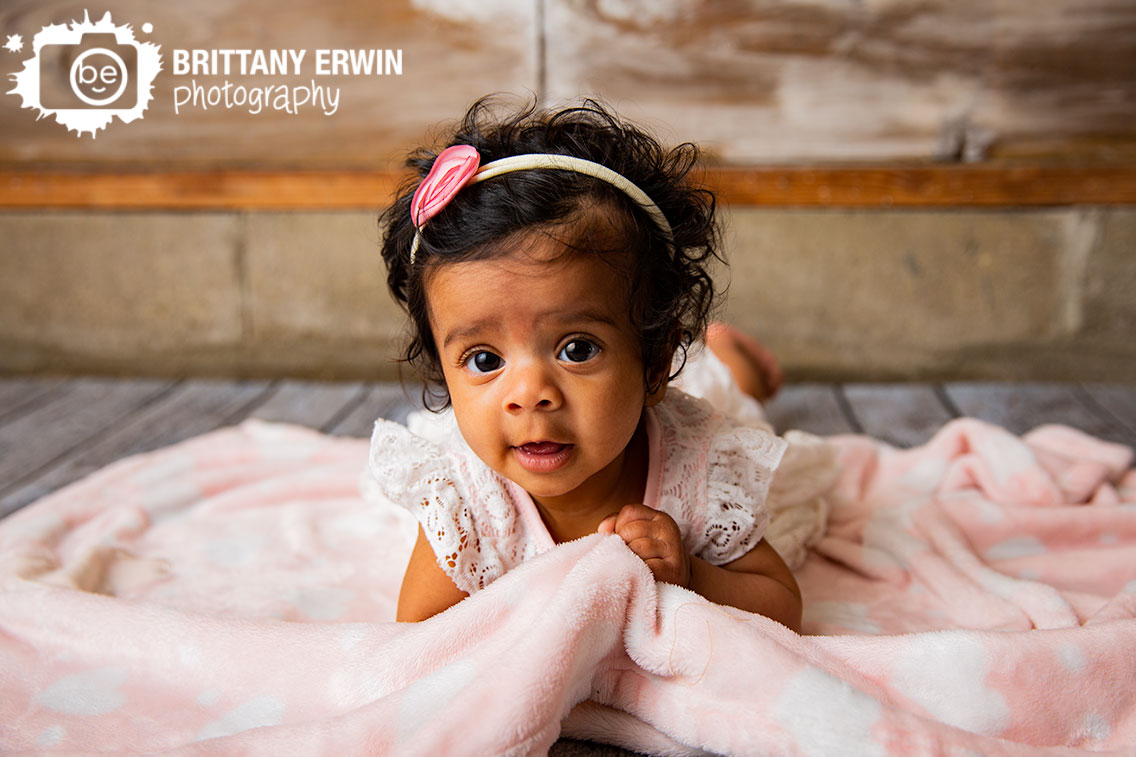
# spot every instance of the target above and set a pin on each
(714, 480)
(465, 509)
(715, 477)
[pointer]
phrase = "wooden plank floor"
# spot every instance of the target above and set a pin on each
(54, 431)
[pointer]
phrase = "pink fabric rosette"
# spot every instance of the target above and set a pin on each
(452, 170)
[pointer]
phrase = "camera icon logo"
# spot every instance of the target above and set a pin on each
(100, 75)
(88, 73)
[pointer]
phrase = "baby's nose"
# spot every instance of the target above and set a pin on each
(532, 388)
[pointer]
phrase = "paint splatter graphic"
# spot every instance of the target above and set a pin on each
(109, 74)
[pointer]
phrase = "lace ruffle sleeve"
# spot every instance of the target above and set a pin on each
(464, 509)
(716, 477)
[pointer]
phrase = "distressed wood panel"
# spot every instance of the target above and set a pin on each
(782, 80)
(809, 407)
(903, 415)
(448, 61)
(1022, 407)
(191, 409)
(786, 186)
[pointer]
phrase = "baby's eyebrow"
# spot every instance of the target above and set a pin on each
(464, 332)
(572, 316)
(576, 316)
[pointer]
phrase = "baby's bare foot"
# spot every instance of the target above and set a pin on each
(753, 366)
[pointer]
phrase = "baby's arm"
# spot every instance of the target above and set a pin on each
(758, 581)
(426, 589)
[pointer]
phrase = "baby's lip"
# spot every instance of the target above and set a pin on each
(543, 447)
(543, 456)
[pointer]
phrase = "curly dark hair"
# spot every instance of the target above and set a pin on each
(671, 291)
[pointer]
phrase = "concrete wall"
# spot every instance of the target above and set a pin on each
(838, 294)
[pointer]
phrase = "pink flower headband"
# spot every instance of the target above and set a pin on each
(457, 166)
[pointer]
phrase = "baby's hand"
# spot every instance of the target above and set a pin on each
(654, 536)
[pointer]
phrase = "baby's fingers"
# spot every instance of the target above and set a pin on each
(648, 548)
(633, 513)
(641, 529)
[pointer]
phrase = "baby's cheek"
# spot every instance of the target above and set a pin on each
(479, 433)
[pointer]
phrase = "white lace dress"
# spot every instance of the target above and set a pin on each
(711, 472)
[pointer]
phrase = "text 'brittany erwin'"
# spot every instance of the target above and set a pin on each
(327, 62)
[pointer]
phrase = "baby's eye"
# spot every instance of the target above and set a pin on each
(578, 351)
(483, 361)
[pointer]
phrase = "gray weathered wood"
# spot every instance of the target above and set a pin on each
(191, 409)
(385, 400)
(17, 394)
(808, 407)
(316, 404)
(1116, 401)
(904, 415)
(1022, 407)
(84, 409)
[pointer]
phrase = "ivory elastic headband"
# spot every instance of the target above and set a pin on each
(457, 166)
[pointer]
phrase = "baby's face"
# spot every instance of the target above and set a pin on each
(542, 365)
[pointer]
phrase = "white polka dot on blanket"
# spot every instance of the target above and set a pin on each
(847, 717)
(1094, 727)
(1019, 546)
(926, 475)
(988, 512)
(189, 655)
(426, 697)
(91, 692)
(51, 736)
(934, 665)
(852, 616)
(255, 713)
(351, 634)
(1005, 455)
(230, 551)
(1072, 657)
(323, 602)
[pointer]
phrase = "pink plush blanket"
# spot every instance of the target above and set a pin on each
(233, 594)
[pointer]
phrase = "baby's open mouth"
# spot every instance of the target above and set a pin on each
(544, 456)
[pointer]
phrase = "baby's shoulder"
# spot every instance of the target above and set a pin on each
(715, 476)
(692, 425)
(467, 512)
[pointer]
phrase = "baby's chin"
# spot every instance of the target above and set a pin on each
(543, 486)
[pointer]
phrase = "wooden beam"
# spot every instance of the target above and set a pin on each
(883, 186)
(869, 186)
(198, 190)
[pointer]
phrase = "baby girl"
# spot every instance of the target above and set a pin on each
(554, 266)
